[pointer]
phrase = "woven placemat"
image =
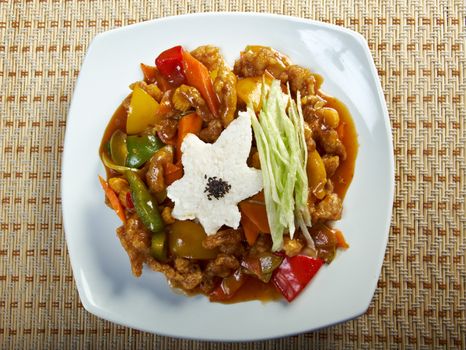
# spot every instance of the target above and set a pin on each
(419, 50)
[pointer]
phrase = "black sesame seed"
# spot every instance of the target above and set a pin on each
(216, 187)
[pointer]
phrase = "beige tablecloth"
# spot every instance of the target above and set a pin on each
(419, 50)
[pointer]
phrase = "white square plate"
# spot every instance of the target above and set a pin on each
(339, 292)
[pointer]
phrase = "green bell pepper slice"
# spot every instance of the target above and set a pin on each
(159, 246)
(117, 147)
(141, 149)
(148, 212)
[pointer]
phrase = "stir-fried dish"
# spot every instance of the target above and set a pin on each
(227, 180)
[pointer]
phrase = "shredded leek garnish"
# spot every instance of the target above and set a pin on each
(279, 134)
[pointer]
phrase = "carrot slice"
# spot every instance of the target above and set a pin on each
(172, 172)
(197, 75)
(341, 242)
(113, 199)
(254, 209)
(250, 230)
(190, 123)
(150, 73)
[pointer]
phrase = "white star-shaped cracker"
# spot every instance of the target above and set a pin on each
(216, 177)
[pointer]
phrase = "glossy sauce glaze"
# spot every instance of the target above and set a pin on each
(254, 289)
(347, 134)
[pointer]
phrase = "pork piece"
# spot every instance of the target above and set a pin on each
(255, 60)
(167, 129)
(328, 209)
(331, 164)
(301, 79)
(208, 283)
(224, 82)
(329, 141)
(154, 175)
(223, 265)
(209, 56)
(227, 241)
(310, 143)
(186, 274)
(152, 89)
(263, 244)
(186, 97)
(225, 88)
(212, 131)
(135, 239)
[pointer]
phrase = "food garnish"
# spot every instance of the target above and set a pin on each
(216, 177)
(279, 135)
(227, 180)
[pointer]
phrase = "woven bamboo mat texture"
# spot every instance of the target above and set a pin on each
(419, 51)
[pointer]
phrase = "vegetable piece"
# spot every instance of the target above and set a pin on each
(316, 174)
(172, 172)
(282, 151)
(150, 73)
(229, 286)
(129, 200)
(341, 240)
(141, 113)
(303, 217)
(118, 168)
(254, 209)
(262, 266)
(276, 143)
(158, 246)
(144, 203)
(249, 90)
(185, 240)
(198, 76)
(141, 148)
(117, 147)
(251, 231)
(325, 241)
(294, 274)
(113, 199)
(190, 123)
(170, 64)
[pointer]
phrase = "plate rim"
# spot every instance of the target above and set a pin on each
(391, 177)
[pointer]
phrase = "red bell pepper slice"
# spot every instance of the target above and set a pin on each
(129, 200)
(179, 66)
(294, 274)
(170, 64)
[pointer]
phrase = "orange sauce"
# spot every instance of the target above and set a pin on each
(253, 289)
(118, 122)
(345, 172)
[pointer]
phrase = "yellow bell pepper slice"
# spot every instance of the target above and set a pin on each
(316, 174)
(142, 111)
(249, 90)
